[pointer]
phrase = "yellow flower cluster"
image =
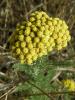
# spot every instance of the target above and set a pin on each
(69, 84)
(60, 34)
(38, 36)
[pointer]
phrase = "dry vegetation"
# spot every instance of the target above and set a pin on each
(14, 11)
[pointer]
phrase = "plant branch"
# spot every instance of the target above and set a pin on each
(48, 95)
(51, 93)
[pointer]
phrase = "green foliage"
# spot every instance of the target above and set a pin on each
(41, 72)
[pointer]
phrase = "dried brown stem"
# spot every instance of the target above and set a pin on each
(9, 91)
(65, 69)
(38, 6)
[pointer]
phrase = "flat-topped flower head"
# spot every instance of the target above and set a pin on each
(38, 36)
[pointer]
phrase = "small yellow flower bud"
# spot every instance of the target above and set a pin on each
(17, 44)
(60, 35)
(46, 27)
(42, 28)
(38, 23)
(29, 23)
(30, 45)
(21, 32)
(32, 34)
(55, 36)
(49, 49)
(28, 39)
(69, 38)
(28, 56)
(21, 37)
(34, 28)
(22, 27)
(46, 32)
(38, 16)
(34, 44)
(43, 19)
(33, 52)
(32, 19)
(25, 50)
(51, 40)
(59, 40)
(39, 33)
(36, 39)
(40, 45)
(27, 31)
(18, 51)
(35, 57)
(49, 23)
(47, 44)
(54, 22)
(23, 44)
(51, 28)
(44, 40)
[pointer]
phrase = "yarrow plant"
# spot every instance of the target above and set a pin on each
(69, 84)
(38, 36)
